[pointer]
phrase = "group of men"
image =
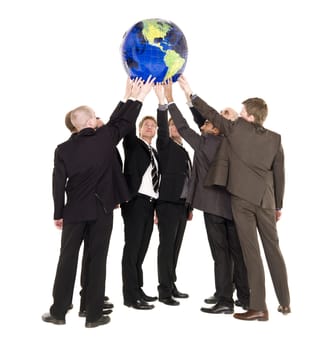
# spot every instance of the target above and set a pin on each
(236, 179)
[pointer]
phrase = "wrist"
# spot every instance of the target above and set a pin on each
(162, 107)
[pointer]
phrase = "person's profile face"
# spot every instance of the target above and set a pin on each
(173, 131)
(209, 128)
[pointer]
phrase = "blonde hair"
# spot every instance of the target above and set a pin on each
(148, 117)
(80, 116)
(229, 113)
(68, 122)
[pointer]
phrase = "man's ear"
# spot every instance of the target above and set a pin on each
(91, 123)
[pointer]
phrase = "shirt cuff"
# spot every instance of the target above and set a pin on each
(163, 107)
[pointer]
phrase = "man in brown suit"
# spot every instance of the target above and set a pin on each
(254, 159)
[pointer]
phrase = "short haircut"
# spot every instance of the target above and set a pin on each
(68, 122)
(80, 116)
(258, 108)
(148, 117)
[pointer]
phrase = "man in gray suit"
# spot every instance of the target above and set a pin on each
(255, 178)
(215, 203)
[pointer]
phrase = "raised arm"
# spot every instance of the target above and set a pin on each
(162, 118)
(127, 94)
(127, 115)
(188, 134)
(204, 109)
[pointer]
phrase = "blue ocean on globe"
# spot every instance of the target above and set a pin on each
(154, 47)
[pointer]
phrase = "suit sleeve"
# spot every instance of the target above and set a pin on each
(163, 138)
(117, 110)
(124, 121)
(188, 134)
(59, 183)
(279, 177)
(212, 115)
(197, 117)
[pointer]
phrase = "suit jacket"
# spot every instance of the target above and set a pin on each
(137, 160)
(253, 156)
(84, 168)
(214, 199)
(174, 162)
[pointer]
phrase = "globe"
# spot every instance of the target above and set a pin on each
(154, 47)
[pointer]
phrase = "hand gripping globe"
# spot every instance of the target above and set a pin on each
(154, 47)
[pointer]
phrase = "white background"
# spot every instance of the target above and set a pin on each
(56, 55)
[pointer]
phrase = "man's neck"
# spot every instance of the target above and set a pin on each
(147, 139)
(177, 140)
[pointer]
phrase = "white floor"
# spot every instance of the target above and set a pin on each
(28, 295)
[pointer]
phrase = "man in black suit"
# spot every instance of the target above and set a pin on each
(85, 258)
(172, 211)
(83, 172)
(138, 213)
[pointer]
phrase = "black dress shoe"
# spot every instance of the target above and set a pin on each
(47, 317)
(106, 298)
(147, 297)
(169, 301)
(107, 305)
(82, 313)
(139, 305)
(177, 294)
(244, 305)
(218, 309)
(102, 320)
(211, 300)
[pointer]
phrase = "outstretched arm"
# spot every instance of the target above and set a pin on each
(162, 118)
(188, 134)
(125, 121)
(204, 109)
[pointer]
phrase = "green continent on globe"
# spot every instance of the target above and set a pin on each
(174, 62)
(154, 29)
(154, 47)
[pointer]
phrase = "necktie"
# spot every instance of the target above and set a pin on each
(154, 172)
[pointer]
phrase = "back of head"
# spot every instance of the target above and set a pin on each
(80, 117)
(229, 113)
(256, 107)
(68, 122)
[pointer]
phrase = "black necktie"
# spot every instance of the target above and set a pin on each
(154, 172)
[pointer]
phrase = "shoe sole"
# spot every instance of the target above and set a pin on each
(252, 319)
(105, 313)
(217, 313)
(97, 324)
(150, 307)
(56, 322)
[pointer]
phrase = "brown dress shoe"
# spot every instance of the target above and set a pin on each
(284, 309)
(252, 315)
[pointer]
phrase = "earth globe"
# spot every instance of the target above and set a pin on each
(154, 47)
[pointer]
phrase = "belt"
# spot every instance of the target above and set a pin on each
(148, 198)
